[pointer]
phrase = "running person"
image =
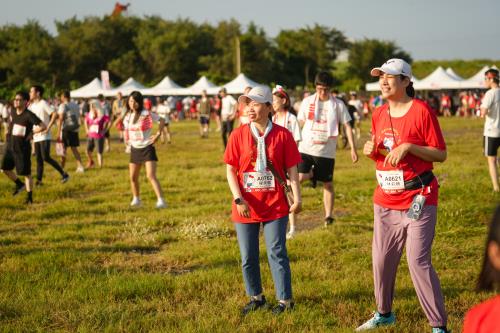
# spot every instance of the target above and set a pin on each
(229, 107)
(284, 117)
(204, 114)
(96, 124)
(68, 126)
(320, 115)
(490, 109)
(138, 124)
(22, 125)
(406, 140)
(260, 199)
(43, 139)
(163, 110)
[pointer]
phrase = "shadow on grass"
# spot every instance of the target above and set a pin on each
(140, 249)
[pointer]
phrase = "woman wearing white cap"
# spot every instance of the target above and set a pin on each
(406, 140)
(257, 156)
(285, 118)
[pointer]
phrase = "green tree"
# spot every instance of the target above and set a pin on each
(369, 53)
(305, 51)
(28, 55)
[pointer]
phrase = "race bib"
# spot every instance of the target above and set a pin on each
(136, 135)
(94, 128)
(258, 181)
(319, 137)
(18, 130)
(391, 180)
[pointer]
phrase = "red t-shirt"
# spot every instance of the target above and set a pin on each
(266, 202)
(418, 126)
(483, 318)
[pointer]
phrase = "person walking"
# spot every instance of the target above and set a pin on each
(138, 125)
(96, 125)
(490, 110)
(229, 107)
(204, 114)
(42, 139)
(320, 115)
(406, 140)
(22, 125)
(257, 156)
(284, 117)
(68, 127)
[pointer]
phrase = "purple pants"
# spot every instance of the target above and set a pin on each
(392, 229)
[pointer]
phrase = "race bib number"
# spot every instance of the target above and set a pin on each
(391, 180)
(94, 128)
(18, 130)
(136, 135)
(319, 137)
(258, 181)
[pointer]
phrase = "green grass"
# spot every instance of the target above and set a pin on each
(80, 260)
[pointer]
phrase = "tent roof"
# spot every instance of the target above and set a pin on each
(477, 80)
(196, 88)
(125, 88)
(164, 87)
(238, 85)
(439, 79)
(454, 75)
(91, 89)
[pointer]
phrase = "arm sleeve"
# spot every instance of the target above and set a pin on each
(232, 153)
(432, 131)
(487, 101)
(343, 114)
(292, 155)
(34, 119)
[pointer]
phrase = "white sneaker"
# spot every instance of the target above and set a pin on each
(136, 202)
(290, 234)
(161, 204)
(80, 169)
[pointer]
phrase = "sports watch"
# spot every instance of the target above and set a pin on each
(238, 201)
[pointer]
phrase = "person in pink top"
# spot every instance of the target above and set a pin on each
(96, 125)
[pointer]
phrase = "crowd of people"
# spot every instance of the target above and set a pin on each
(278, 144)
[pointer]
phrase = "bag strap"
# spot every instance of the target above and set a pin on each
(272, 169)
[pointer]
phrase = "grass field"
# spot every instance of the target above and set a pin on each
(80, 260)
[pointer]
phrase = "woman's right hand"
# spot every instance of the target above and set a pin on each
(369, 147)
(243, 209)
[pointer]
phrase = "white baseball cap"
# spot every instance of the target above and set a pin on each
(393, 67)
(259, 94)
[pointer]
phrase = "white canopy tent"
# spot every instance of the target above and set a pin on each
(125, 89)
(454, 75)
(477, 80)
(164, 87)
(237, 85)
(196, 88)
(439, 79)
(91, 89)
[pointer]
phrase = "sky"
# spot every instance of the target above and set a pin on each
(428, 30)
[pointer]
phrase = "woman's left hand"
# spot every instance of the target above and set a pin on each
(296, 207)
(397, 154)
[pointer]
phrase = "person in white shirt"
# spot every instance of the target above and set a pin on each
(68, 127)
(42, 139)
(358, 115)
(285, 116)
(490, 110)
(229, 106)
(320, 115)
(163, 110)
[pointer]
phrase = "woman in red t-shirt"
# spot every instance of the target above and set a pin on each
(484, 318)
(257, 156)
(406, 140)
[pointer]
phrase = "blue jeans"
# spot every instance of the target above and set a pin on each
(277, 256)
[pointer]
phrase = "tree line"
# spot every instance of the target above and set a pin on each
(148, 48)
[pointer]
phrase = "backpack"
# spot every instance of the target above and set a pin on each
(71, 119)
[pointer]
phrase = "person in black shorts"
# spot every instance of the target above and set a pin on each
(320, 116)
(68, 126)
(18, 152)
